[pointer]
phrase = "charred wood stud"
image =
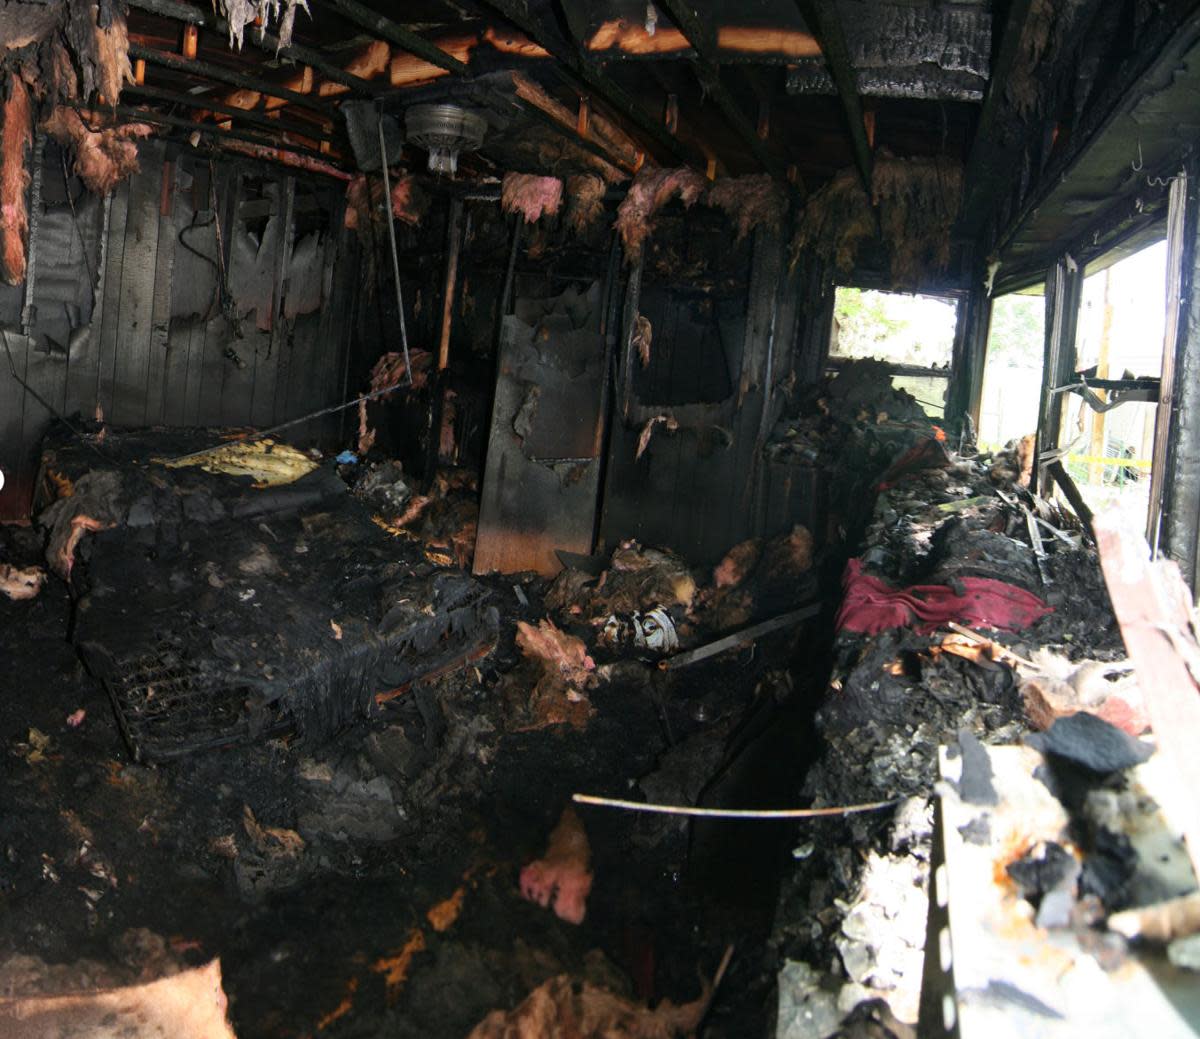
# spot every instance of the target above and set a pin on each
(273, 121)
(671, 115)
(191, 41)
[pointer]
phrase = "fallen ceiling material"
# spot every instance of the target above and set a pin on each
(585, 202)
(531, 196)
(103, 158)
(650, 191)
(917, 201)
(756, 200)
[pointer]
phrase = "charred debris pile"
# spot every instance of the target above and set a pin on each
(974, 615)
(339, 703)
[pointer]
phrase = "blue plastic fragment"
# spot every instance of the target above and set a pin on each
(347, 458)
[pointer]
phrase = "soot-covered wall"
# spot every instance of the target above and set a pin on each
(121, 313)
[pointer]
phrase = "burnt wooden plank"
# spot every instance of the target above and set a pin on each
(159, 407)
(135, 311)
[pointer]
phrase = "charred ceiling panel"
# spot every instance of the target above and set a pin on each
(908, 51)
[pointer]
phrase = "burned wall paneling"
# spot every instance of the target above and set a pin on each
(695, 490)
(1180, 523)
(125, 315)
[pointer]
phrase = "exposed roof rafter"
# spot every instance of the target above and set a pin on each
(709, 72)
(822, 19)
(404, 38)
(981, 171)
(192, 15)
(594, 81)
(196, 67)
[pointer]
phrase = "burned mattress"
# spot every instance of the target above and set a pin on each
(216, 612)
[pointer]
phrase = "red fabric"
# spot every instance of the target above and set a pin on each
(871, 605)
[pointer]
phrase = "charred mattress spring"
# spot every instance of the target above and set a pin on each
(168, 706)
(171, 702)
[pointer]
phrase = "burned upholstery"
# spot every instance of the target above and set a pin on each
(215, 612)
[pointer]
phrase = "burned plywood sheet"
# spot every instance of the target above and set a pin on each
(542, 475)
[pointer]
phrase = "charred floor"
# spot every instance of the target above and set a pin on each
(544, 520)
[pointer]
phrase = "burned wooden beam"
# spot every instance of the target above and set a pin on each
(128, 113)
(206, 70)
(981, 171)
(202, 103)
(600, 136)
(595, 81)
(191, 15)
(709, 73)
(389, 30)
(822, 18)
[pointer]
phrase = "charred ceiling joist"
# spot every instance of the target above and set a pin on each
(262, 39)
(825, 22)
(594, 81)
(208, 70)
(702, 39)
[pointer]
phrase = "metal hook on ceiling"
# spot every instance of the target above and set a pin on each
(1138, 166)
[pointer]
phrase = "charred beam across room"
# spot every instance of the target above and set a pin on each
(206, 70)
(594, 81)
(708, 70)
(191, 15)
(983, 172)
(203, 103)
(128, 113)
(822, 18)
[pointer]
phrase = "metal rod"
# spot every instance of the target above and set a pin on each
(391, 226)
(259, 434)
(196, 67)
(730, 813)
(740, 638)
